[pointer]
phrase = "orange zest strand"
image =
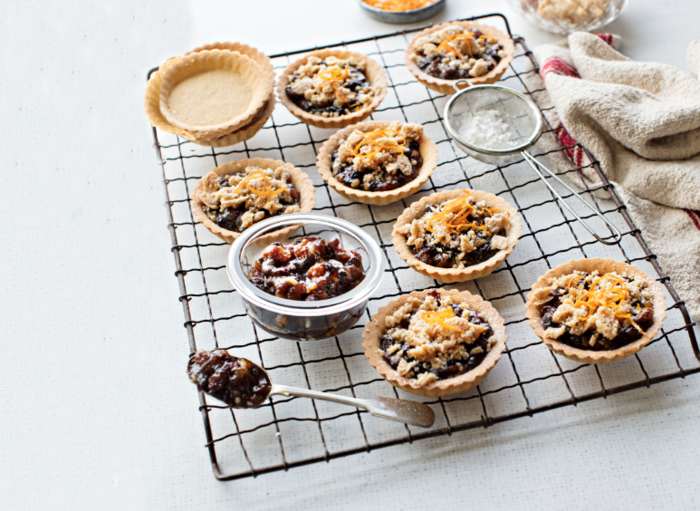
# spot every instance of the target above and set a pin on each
(377, 141)
(445, 45)
(606, 291)
(485, 38)
(455, 216)
(398, 5)
(440, 318)
(333, 76)
(266, 182)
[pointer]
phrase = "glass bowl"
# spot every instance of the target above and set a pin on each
(568, 16)
(305, 320)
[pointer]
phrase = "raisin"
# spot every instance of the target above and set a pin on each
(547, 311)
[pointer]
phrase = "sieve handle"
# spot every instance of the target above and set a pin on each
(536, 165)
(463, 80)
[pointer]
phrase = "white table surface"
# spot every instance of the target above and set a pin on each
(97, 411)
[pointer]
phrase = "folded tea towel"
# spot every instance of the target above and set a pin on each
(641, 121)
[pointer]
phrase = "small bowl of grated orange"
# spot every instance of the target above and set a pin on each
(402, 11)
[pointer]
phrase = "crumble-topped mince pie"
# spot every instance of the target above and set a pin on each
(457, 235)
(234, 196)
(435, 342)
(596, 310)
(236, 381)
(442, 54)
(378, 162)
(310, 269)
(332, 88)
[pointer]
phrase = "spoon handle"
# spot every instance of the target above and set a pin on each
(409, 412)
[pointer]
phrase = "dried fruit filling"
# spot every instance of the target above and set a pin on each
(456, 52)
(434, 338)
(310, 269)
(379, 160)
(330, 87)
(235, 381)
(595, 312)
(238, 200)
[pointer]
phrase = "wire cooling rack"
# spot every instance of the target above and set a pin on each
(529, 379)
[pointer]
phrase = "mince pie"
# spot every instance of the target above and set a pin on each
(378, 162)
(461, 50)
(457, 235)
(435, 343)
(596, 310)
(309, 269)
(234, 196)
(332, 88)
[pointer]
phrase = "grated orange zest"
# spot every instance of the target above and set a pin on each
(392, 141)
(440, 318)
(455, 216)
(266, 181)
(597, 296)
(398, 5)
(333, 76)
(445, 45)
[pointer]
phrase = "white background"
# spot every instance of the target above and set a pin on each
(97, 411)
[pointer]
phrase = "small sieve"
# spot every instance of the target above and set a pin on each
(497, 125)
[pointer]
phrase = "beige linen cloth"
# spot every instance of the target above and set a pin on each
(641, 121)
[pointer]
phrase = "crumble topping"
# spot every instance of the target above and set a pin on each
(330, 87)
(379, 160)
(593, 311)
(456, 52)
(238, 200)
(571, 12)
(457, 233)
(434, 338)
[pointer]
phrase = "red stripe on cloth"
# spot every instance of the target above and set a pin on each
(608, 38)
(558, 66)
(695, 217)
(573, 150)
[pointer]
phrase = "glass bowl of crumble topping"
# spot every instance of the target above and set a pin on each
(312, 286)
(568, 16)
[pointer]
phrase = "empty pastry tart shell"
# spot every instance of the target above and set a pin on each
(377, 326)
(246, 132)
(603, 266)
(374, 72)
(260, 81)
(299, 179)
(427, 148)
(447, 86)
(451, 275)
(241, 48)
(152, 99)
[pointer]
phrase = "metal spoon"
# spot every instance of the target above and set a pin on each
(410, 412)
(242, 384)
